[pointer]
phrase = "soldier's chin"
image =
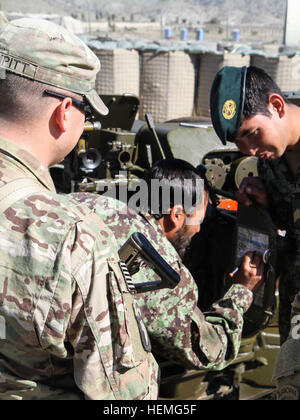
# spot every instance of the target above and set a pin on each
(277, 153)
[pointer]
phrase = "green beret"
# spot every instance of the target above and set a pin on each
(227, 98)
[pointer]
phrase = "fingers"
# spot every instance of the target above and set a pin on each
(251, 271)
(252, 181)
(252, 189)
(258, 264)
(243, 198)
(253, 261)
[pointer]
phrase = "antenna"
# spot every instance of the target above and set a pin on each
(285, 22)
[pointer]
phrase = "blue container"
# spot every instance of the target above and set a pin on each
(199, 34)
(183, 34)
(168, 33)
(236, 35)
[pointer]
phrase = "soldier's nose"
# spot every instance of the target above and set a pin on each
(253, 151)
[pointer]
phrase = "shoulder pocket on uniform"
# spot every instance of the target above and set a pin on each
(130, 338)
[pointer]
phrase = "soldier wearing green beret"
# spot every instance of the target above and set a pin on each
(249, 109)
(68, 327)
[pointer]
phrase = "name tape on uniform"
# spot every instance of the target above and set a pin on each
(18, 66)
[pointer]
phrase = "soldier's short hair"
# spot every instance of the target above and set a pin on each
(259, 86)
(22, 100)
(180, 180)
(18, 99)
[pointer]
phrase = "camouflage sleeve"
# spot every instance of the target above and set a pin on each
(178, 328)
(225, 322)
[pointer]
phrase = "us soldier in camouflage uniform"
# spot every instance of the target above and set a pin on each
(68, 329)
(176, 325)
(267, 126)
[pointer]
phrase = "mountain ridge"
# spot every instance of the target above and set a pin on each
(256, 12)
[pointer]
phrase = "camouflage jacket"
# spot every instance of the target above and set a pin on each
(68, 329)
(176, 325)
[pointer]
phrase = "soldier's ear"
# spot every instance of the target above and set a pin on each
(62, 114)
(177, 215)
(277, 104)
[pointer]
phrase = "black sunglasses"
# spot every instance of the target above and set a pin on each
(83, 106)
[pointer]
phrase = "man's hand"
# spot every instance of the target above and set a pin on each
(251, 271)
(252, 190)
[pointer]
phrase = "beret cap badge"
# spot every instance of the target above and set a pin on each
(229, 109)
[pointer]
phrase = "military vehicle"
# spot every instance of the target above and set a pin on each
(116, 151)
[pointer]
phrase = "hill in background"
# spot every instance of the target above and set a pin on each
(265, 12)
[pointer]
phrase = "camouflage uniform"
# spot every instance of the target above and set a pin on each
(283, 190)
(176, 325)
(65, 309)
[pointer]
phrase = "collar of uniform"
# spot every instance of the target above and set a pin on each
(152, 221)
(27, 160)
